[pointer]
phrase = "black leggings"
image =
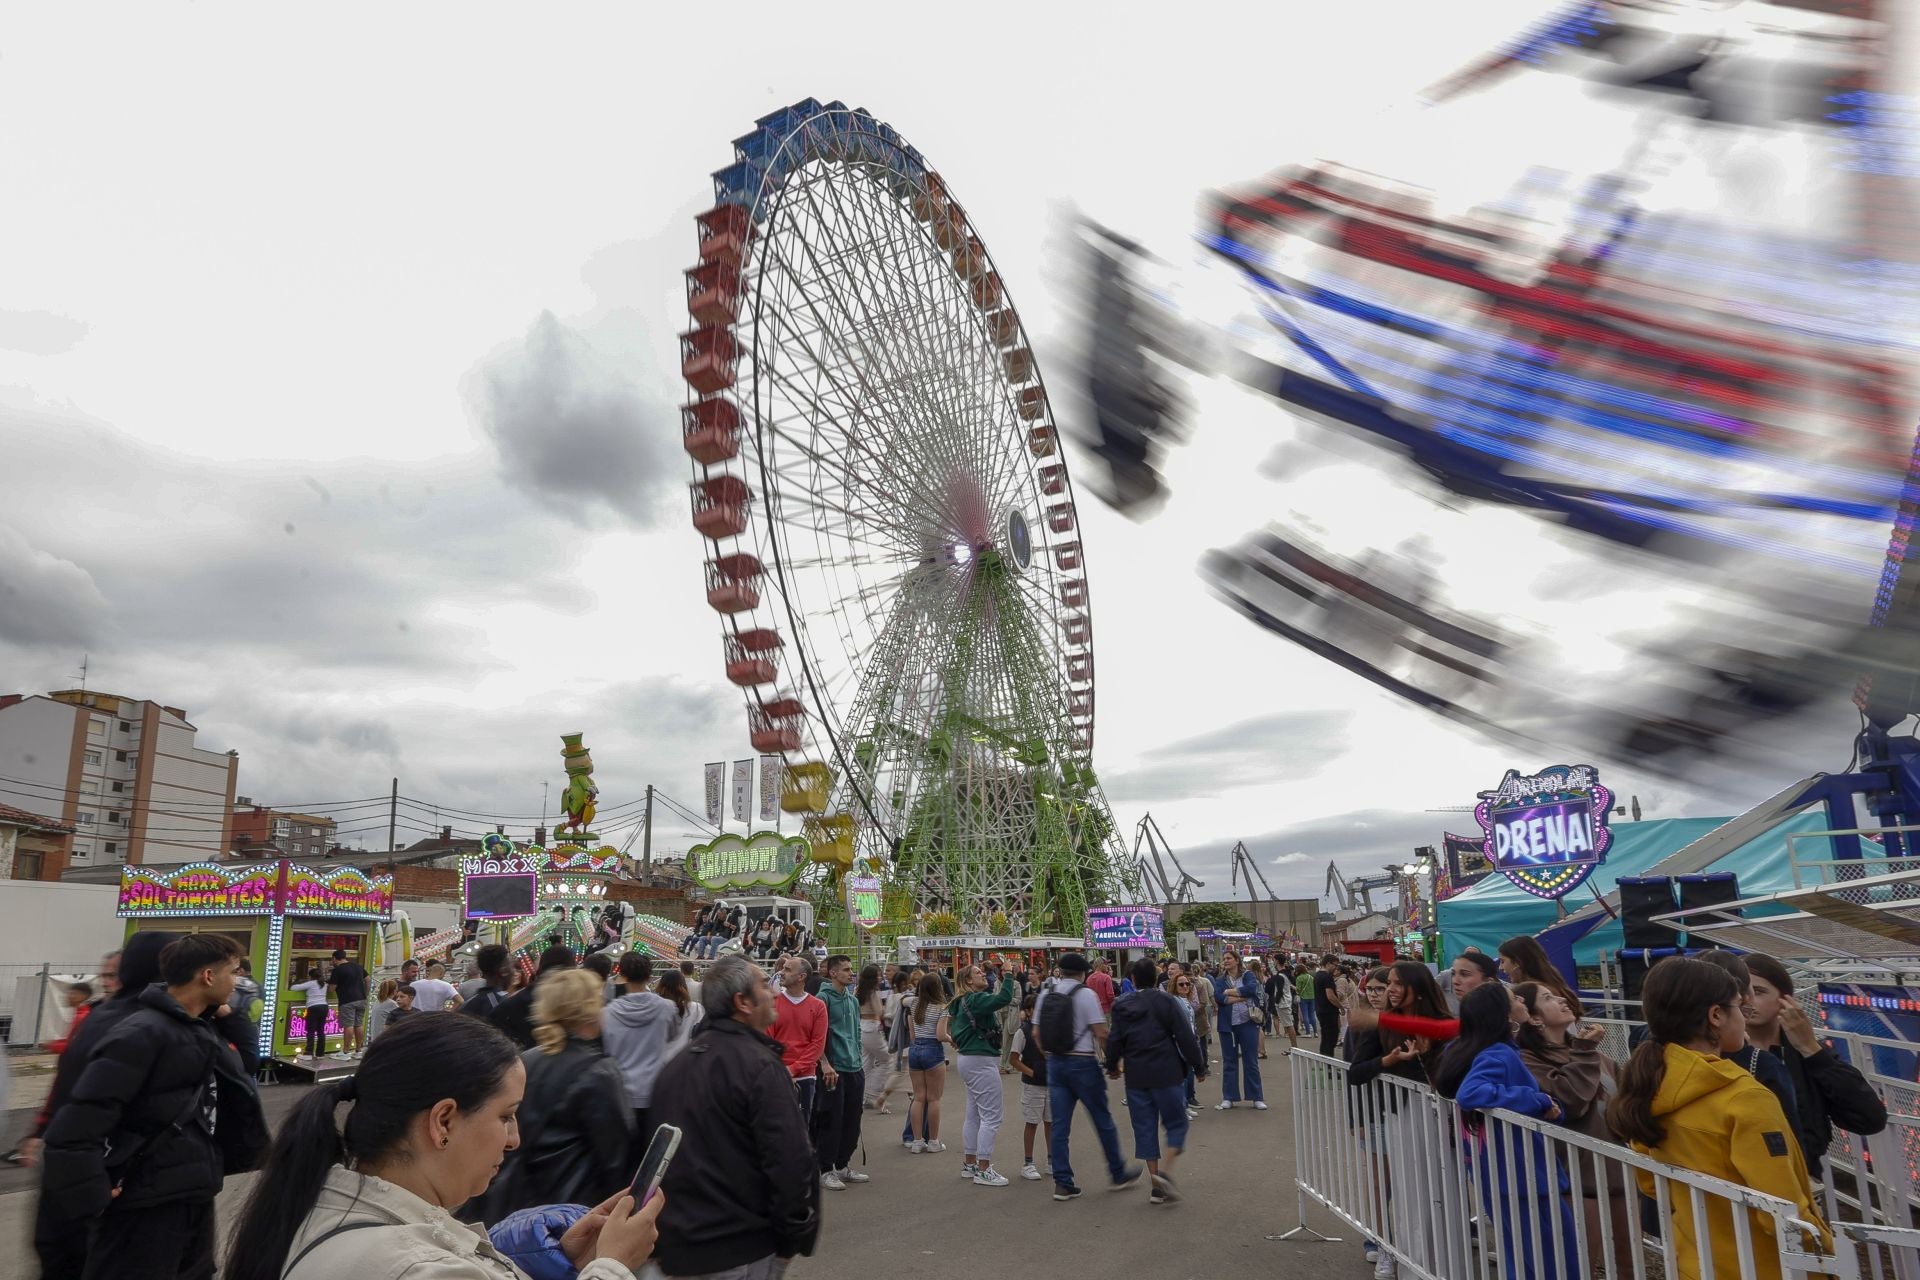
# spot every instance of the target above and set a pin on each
(316, 1030)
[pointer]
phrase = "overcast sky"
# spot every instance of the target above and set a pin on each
(338, 384)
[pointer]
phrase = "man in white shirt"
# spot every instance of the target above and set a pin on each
(433, 993)
(1074, 1077)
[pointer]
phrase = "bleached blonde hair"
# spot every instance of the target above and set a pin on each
(564, 1002)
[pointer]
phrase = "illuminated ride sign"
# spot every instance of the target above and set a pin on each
(765, 860)
(264, 889)
(863, 900)
(1547, 832)
(1125, 927)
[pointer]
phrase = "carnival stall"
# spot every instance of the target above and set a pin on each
(284, 916)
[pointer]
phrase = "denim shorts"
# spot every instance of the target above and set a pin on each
(926, 1055)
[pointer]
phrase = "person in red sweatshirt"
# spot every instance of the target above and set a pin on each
(79, 997)
(1100, 982)
(800, 1025)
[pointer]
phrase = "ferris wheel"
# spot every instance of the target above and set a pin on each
(892, 544)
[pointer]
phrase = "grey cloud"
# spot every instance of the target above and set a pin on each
(571, 431)
(356, 566)
(39, 333)
(45, 599)
(1272, 748)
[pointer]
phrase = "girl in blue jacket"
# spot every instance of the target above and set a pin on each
(1483, 1071)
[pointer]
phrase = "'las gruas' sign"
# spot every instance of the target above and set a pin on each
(1547, 832)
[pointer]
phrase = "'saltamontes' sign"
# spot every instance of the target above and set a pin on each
(764, 860)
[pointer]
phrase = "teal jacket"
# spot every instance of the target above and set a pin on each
(973, 1018)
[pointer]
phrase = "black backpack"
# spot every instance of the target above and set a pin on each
(1056, 1023)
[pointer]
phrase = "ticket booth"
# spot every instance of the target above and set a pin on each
(285, 917)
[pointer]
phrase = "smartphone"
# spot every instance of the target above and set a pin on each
(653, 1165)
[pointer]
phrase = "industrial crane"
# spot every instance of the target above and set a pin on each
(1155, 871)
(1243, 866)
(1356, 894)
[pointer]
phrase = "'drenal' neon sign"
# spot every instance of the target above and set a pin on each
(1548, 831)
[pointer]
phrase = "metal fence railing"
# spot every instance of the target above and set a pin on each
(1514, 1197)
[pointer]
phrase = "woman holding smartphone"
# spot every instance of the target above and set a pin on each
(428, 1118)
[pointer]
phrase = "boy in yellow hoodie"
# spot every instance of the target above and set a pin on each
(1680, 1102)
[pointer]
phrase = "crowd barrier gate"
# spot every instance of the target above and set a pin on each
(1394, 1162)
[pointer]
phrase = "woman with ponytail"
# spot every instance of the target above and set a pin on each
(1681, 1102)
(429, 1117)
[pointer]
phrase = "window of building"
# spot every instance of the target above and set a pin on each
(89, 787)
(113, 815)
(125, 727)
(96, 728)
(120, 757)
(86, 819)
(111, 846)
(27, 864)
(119, 786)
(92, 757)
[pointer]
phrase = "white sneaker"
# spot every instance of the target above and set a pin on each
(831, 1182)
(1030, 1173)
(1223, 1106)
(969, 1171)
(916, 1146)
(1193, 1113)
(934, 1148)
(1383, 1268)
(989, 1177)
(853, 1175)
(1259, 1106)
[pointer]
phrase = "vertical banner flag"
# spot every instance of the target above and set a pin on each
(743, 789)
(770, 767)
(714, 773)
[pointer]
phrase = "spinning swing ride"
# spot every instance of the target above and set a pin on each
(892, 543)
(1670, 357)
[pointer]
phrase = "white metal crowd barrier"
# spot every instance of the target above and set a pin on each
(1524, 1199)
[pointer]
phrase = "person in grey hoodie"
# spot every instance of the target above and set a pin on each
(635, 1032)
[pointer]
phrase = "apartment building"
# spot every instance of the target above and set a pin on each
(260, 832)
(125, 774)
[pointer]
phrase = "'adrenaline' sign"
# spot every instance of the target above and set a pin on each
(1547, 832)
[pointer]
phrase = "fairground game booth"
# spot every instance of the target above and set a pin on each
(285, 917)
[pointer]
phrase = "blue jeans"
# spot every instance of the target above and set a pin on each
(1306, 1017)
(1193, 1092)
(1240, 1051)
(1077, 1079)
(1151, 1108)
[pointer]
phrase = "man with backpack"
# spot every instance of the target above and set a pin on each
(1156, 1042)
(1071, 1026)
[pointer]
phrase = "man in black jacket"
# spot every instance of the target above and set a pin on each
(148, 1133)
(60, 1241)
(743, 1192)
(1828, 1093)
(1155, 1040)
(492, 961)
(514, 1015)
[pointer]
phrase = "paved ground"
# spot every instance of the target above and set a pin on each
(916, 1218)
